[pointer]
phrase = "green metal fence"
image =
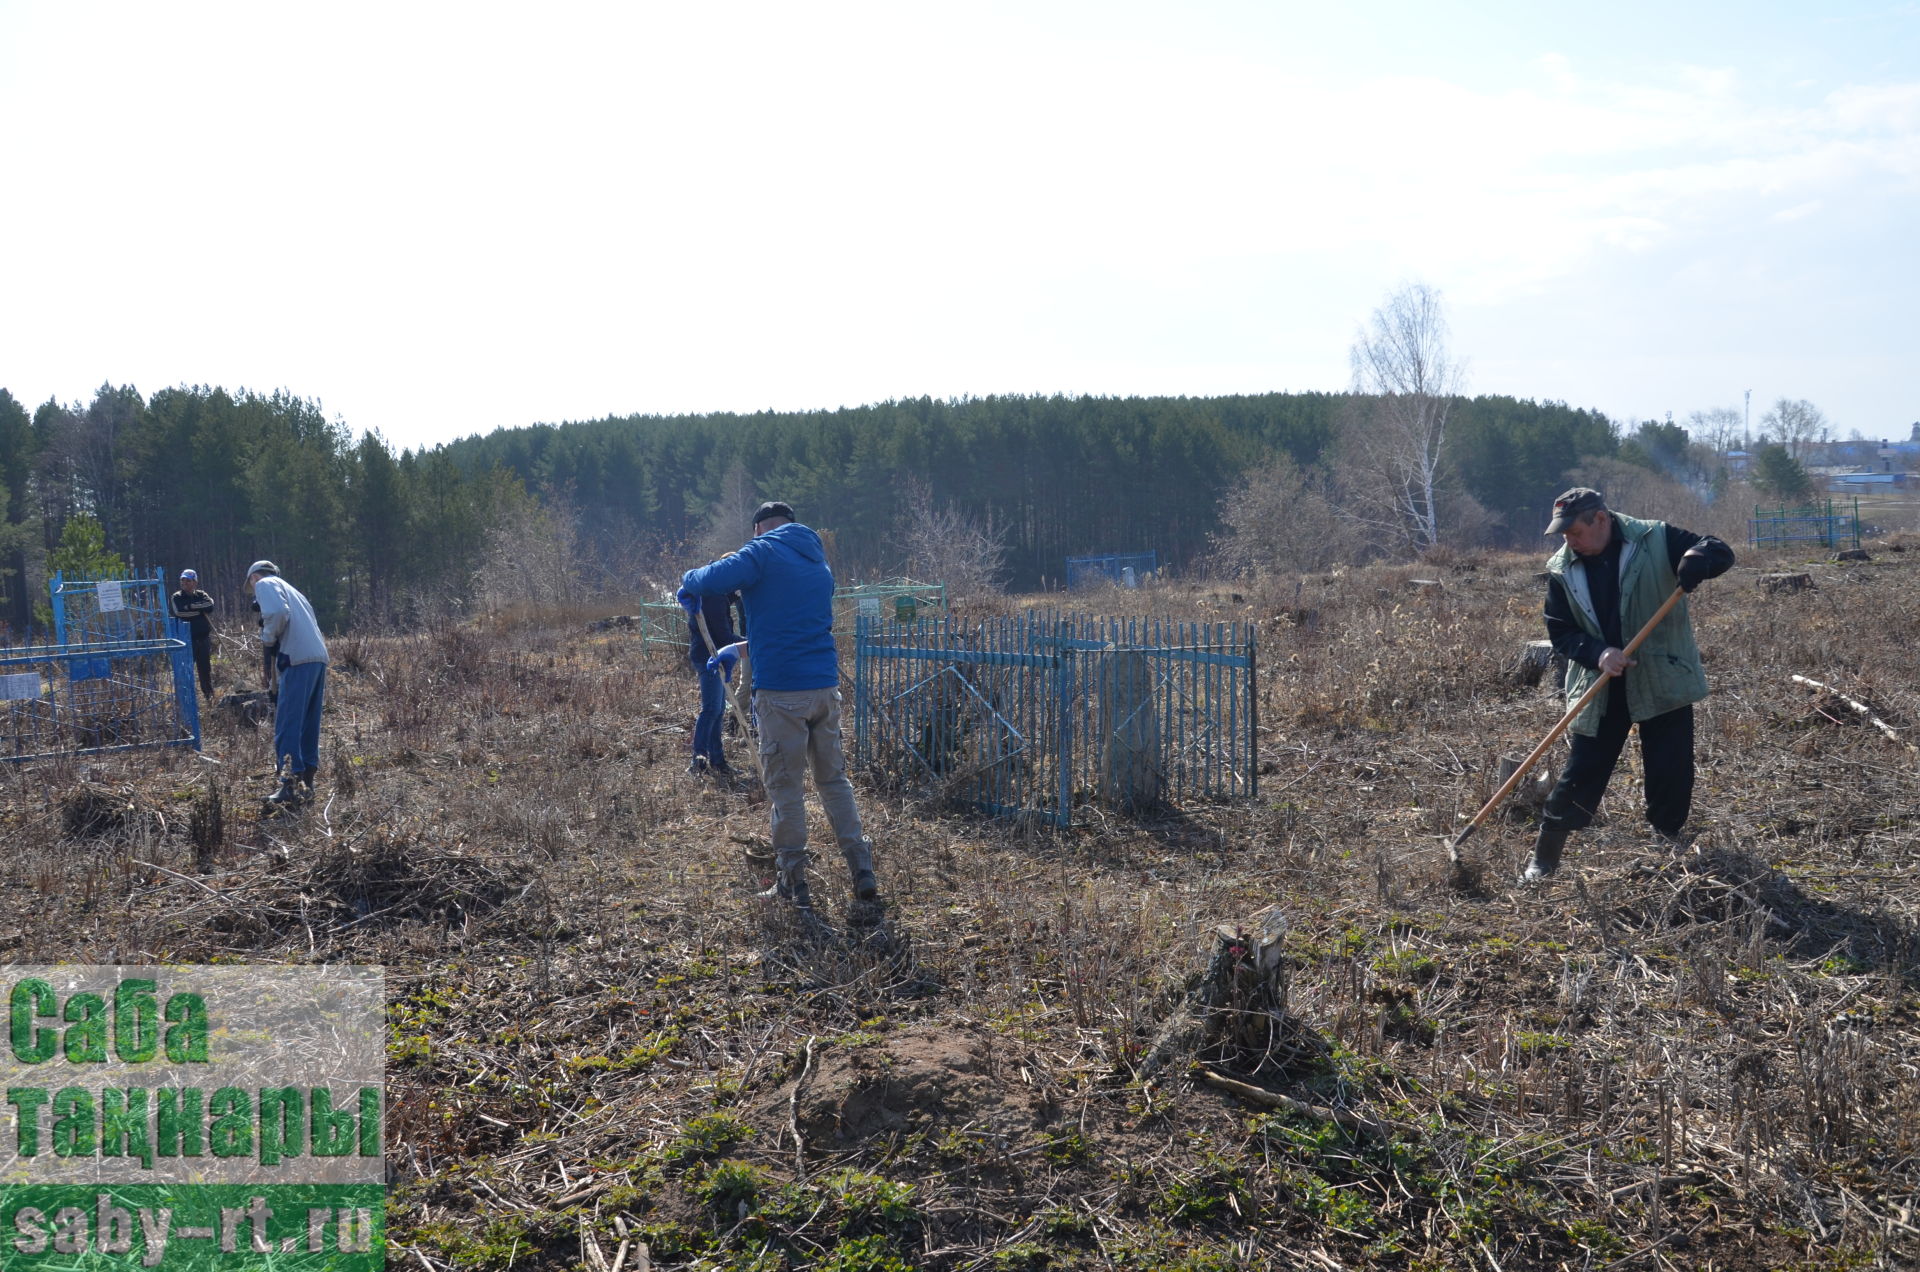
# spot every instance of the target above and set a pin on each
(1827, 526)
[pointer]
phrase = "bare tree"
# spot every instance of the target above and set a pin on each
(532, 559)
(1796, 424)
(947, 545)
(1395, 444)
(1640, 492)
(1720, 428)
(729, 518)
(1280, 517)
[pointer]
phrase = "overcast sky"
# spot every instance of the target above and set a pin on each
(444, 219)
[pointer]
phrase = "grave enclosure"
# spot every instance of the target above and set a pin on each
(118, 676)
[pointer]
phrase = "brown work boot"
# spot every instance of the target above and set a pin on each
(790, 885)
(860, 867)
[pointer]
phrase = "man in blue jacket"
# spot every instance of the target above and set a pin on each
(786, 592)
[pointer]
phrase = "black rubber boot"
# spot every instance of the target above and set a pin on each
(1546, 855)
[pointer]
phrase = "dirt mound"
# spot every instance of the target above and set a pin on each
(926, 1078)
(90, 812)
(392, 881)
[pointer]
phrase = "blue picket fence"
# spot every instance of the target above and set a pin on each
(119, 676)
(1025, 716)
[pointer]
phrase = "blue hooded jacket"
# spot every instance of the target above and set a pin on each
(786, 590)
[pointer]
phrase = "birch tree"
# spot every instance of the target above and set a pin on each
(1406, 382)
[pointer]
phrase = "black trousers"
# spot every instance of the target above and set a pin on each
(203, 659)
(1666, 753)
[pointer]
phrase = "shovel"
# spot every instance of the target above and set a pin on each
(731, 691)
(1456, 868)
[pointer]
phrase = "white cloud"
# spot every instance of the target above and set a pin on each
(1798, 211)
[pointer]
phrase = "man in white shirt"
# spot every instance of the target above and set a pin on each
(287, 621)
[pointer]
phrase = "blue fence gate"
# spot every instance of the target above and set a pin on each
(120, 674)
(1026, 715)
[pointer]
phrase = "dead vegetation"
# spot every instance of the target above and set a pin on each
(606, 1051)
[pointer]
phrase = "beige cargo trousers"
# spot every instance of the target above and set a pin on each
(800, 730)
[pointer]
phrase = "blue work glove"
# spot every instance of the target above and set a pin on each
(725, 659)
(689, 602)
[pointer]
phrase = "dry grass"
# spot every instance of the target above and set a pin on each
(602, 1040)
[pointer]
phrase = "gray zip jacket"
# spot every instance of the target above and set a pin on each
(287, 620)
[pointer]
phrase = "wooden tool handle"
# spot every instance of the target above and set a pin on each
(729, 691)
(1572, 713)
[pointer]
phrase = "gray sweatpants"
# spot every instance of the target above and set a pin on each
(800, 729)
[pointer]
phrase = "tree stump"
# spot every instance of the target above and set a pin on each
(1237, 1005)
(251, 709)
(1776, 583)
(1532, 792)
(1130, 776)
(1537, 658)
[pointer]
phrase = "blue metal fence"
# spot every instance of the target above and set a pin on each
(120, 675)
(1026, 715)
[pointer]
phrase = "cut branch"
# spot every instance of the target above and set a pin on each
(1862, 709)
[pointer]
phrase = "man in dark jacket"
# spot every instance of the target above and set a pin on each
(786, 591)
(1609, 578)
(194, 608)
(709, 754)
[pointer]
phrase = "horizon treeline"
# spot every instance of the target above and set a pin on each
(201, 477)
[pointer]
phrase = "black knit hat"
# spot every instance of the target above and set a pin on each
(774, 508)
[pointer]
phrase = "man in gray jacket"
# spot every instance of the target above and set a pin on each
(286, 621)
